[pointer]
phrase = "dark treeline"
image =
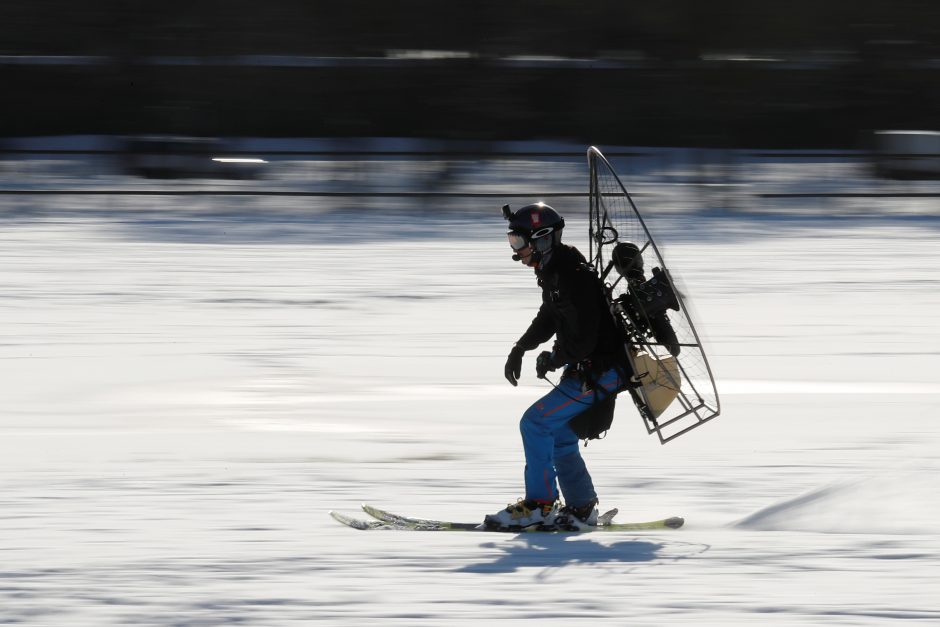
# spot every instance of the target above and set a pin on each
(667, 72)
(672, 29)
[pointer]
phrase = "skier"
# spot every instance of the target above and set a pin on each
(589, 349)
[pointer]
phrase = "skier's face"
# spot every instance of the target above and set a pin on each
(526, 257)
(523, 248)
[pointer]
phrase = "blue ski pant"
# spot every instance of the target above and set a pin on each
(552, 455)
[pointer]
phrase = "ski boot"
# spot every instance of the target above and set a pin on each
(582, 518)
(523, 514)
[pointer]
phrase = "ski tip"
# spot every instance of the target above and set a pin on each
(675, 522)
(349, 522)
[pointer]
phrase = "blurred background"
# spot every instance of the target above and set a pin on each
(722, 73)
(837, 91)
(805, 73)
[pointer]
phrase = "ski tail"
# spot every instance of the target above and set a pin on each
(673, 522)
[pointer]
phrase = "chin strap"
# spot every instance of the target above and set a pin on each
(543, 258)
(537, 256)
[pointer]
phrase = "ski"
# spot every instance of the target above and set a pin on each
(397, 519)
(385, 520)
(401, 525)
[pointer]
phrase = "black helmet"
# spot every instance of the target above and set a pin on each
(537, 225)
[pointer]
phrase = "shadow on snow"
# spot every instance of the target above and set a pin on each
(537, 550)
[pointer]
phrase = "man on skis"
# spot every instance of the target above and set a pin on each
(589, 350)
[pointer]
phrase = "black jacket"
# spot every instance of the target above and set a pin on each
(575, 311)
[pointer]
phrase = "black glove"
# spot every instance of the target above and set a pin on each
(543, 364)
(514, 365)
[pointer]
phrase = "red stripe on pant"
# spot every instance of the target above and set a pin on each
(568, 402)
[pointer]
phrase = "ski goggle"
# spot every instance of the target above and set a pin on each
(518, 241)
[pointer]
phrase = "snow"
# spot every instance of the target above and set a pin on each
(190, 384)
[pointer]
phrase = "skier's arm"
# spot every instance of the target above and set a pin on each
(540, 330)
(580, 315)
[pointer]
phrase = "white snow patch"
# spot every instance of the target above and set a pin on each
(893, 503)
(744, 386)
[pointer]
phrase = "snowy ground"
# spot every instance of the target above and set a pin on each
(189, 385)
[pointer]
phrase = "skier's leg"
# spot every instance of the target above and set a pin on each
(538, 426)
(573, 476)
(538, 444)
